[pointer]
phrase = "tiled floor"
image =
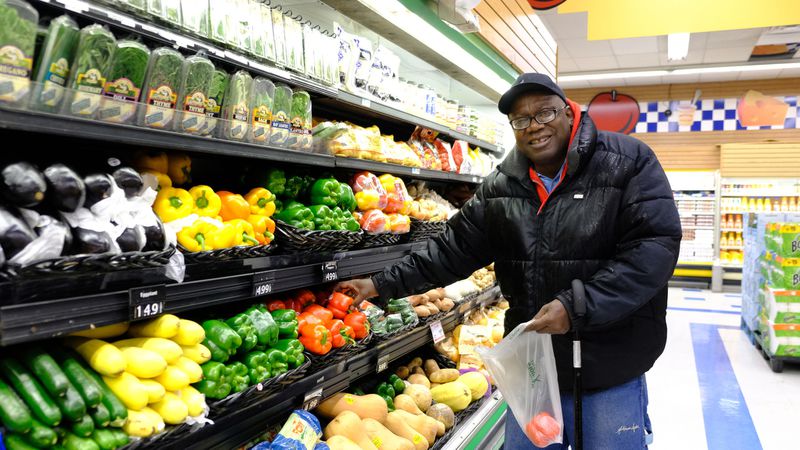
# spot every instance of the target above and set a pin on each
(711, 389)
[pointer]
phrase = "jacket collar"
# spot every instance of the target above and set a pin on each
(581, 147)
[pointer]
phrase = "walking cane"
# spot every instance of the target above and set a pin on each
(579, 306)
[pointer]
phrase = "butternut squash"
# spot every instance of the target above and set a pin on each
(384, 439)
(342, 443)
(397, 424)
(406, 403)
(422, 424)
(419, 379)
(347, 424)
(370, 406)
(421, 395)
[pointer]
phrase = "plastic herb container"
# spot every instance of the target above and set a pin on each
(89, 70)
(17, 44)
(300, 136)
(281, 122)
(161, 89)
(198, 74)
(237, 106)
(261, 106)
(53, 66)
(214, 101)
(124, 82)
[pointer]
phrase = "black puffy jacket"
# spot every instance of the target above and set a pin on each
(611, 222)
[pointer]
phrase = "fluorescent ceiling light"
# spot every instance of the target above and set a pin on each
(677, 46)
(677, 72)
(729, 69)
(613, 75)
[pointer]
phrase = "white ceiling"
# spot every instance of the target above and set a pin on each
(577, 55)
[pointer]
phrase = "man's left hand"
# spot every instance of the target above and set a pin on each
(551, 319)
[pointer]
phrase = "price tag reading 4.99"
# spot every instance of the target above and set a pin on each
(146, 301)
(330, 272)
(263, 283)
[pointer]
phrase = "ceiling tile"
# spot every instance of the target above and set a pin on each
(759, 74)
(566, 65)
(637, 61)
(566, 26)
(634, 45)
(697, 41)
(678, 79)
(733, 38)
(581, 48)
(693, 57)
(662, 44)
(610, 84)
(731, 54)
(597, 63)
(580, 84)
(642, 81)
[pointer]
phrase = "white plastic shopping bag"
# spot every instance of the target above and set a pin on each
(523, 367)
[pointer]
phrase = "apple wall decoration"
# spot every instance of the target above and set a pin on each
(616, 112)
(545, 4)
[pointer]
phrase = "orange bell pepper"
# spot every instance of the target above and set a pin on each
(316, 339)
(263, 227)
(234, 206)
(323, 314)
(341, 334)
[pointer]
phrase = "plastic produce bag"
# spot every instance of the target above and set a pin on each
(524, 369)
(301, 431)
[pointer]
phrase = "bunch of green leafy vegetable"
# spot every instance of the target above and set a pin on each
(95, 51)
(165, 69)
(261, 106)
(53, 64)
(155, 8)
(215, 99)
(281, 120)
(16, 31)
(129, 61)
(237, 110)
(172, 11)
(198, 75)
(301, 120)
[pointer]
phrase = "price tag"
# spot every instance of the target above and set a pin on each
(263, 283)
(312, 399)
(415, 171)
(330, 271)
(146, 301)
(365, 102)
(437, 331)
(383, 363)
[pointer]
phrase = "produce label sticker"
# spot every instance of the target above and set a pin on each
(15, 72)
(212, 107)
(160, 110)
(119, 103)
(262, 119)
(194, 107)
(241, 116)
(281, 127)
(54, 81)
(86, 99)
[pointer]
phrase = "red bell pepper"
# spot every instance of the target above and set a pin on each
(340, 304)
(295, 305)
(275, 305)
(341, 334)
(316, 339)
(359, 323)
(305, 297)
(324, 314)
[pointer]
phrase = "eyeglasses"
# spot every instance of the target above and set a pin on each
(542, 117)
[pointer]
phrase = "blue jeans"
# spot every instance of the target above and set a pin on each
(613, 419)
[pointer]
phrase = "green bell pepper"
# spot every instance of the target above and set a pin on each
(265, 326)
(350, 223)
(323, 217)
(347, 200)
(293, 350)
(243, 326)
(292, 204)
(397, 383)
(294, 185)
(325, 191)
(286, 319)
(215, 383)
(258, 369)
(220, 335)
(299, 216)
(217, 352)
(276, 182)
(305, 190)
(278, 361)
(278, 206)
(385, 390)
(239, 376)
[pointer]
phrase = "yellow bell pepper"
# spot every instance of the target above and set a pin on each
(197, 237)
(262, 201)
(205, 201)
(172, 204)
(263, 227)
(243, 234)
(163, 180)
(366, 200)
(180, 168)
(223, 237)
(151, 160)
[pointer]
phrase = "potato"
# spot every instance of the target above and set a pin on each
(444, 376)
(447, 304)
(415, 300)
(430, 367)
(422, 311)
(416, 362)
(434, 294)
(418, 370)
(432, 309)
(403, 372)
(419, 379)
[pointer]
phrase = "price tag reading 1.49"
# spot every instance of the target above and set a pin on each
(330, 272)
(146, 301)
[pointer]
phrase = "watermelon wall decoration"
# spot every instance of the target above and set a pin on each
(545, 4)
(616, 112)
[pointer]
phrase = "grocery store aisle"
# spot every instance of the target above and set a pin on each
(711, 389)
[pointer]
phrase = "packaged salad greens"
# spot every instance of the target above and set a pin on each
(300, 136)
(218, 17)
(256, 29)
(155, 8)
(41, 35)
(266, 28)
(90, 70)
(294, 44)
(279, 37)
(17, 41)
(240, 10)
(53, 66)
(124, 82)
(161, 89)
(261, 106)
(172, 11)
(214, 101)
(194, 17)
(197, 76)
(281, 121)
(237, 106)
(139, 6)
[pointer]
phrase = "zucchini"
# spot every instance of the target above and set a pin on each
(41, 436)
(71, 404)
(105, 439)
(13, 412)
(118, 411)
(121, 437)
(86, 386)
(28, 388)
(46, 370)
(72, 442)
(83, 427)
(100, 416)
(16, 442)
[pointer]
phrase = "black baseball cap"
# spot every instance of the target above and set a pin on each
(528, 82)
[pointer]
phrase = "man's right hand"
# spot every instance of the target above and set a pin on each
(363, 289)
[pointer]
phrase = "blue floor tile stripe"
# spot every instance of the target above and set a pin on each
(719, 311)
(695, 299)
(736, 306)
(727, 419)
(692, 290)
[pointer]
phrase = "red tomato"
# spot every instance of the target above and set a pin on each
(543, 430)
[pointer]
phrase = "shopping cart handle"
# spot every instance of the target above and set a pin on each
(578, 298)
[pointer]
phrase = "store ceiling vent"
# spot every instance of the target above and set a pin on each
(458, 13)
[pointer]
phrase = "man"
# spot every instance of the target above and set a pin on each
(568, 202)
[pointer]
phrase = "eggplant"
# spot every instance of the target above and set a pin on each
(98, 187)
(155, 237)
(90, 241)
(132, 239)
(15, 234)
(129, 181)
(65, 189)
(23, 185)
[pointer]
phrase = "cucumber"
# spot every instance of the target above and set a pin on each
(118, 411)
(13, 412)
(75, 372)
(16, 442)
(72, 442)
(46, 370)
(121, 438)
(41, 436)
(28, 388)
(100, 416)
(71, 404)
(105, 439)
(83, 427)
